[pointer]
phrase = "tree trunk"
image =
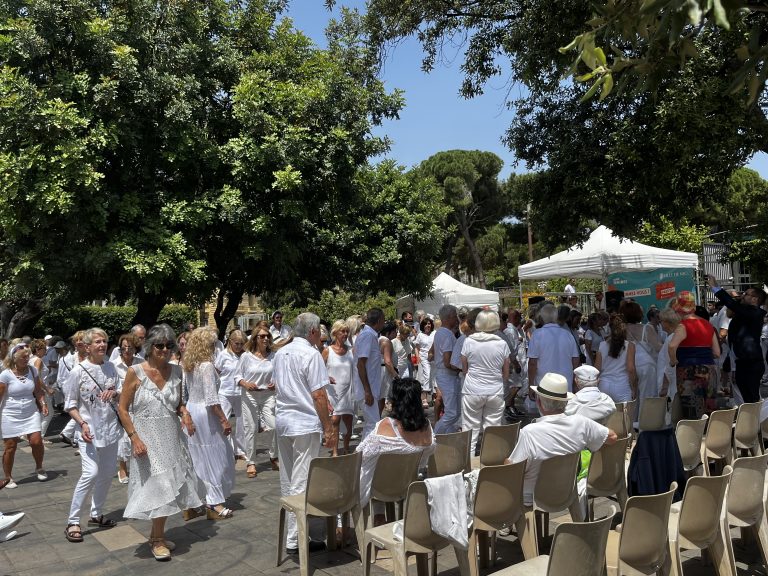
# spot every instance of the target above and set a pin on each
(472, 251)
(225, 312)
(449, 254)
(149, 308)
(19, 320)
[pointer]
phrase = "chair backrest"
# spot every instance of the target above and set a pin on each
(630, 415)
(702, 505)
(719, 431)
(746, 433)
(688, 434)
(616, 421)
(556, 483)
(676, 410)
(333, 484)
(417, 527)
(644, 536)
(653, 414)
(578, 548)
(392, 476)
(606, 469)
(498, 443)
(451, 454)
(745, 494)
(499, 494)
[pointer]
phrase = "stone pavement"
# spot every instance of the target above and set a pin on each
(244, 544)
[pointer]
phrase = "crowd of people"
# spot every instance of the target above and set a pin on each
(172, 413)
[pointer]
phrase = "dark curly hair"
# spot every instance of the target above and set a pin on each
(406, 404)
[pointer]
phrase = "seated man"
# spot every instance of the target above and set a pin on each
(555, 433)
(589, 401)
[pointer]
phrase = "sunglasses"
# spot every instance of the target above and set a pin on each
(164, 345)
(263, 335)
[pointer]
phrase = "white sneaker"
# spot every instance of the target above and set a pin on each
(11, 484)
(10, 520)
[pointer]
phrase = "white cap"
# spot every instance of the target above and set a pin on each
(47, 337)
(587, 375)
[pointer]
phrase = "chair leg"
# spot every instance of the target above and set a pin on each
(494, 535)
(482, 545)
(526, 534)
(301, 521)
(462, 558)
(433, 564)
(330, 533)
(422, 564)
(474, 556)
(761, 535)
(676, 562)
(280, 536)
(390, 513)
(721, 552)
(365, 553)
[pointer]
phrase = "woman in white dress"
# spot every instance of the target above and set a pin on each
(616, 362)
(254, 377)
(230, 395)
(152, 410)
(647, 346)
(388, 359)
(127, 344)
(338, 359)
(485, 361)
(402, 348)
(23, 401)
(422, 345)
(38, 350)
(211, 452)
(92, 390)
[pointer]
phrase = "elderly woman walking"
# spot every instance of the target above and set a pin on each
(91, 394)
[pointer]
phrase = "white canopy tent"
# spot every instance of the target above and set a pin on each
(448, 290)
(603, 254)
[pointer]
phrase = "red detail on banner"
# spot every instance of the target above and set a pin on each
(665, 290)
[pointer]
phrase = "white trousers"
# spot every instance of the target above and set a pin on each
(233, 408)
(451, 419)
(70, 429)
(479, 412)
(99, 466)
(259, 408)
(295, 454)
(371, 417)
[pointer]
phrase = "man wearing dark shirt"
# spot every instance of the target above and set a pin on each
(744, 337)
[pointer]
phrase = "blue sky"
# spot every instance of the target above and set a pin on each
(435, 117)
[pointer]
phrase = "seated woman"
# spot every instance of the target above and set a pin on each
(406, 431)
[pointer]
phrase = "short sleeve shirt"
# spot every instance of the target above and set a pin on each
(485, 362)
(444, 341)
(554, 348)
(367, 346)
(299, 370)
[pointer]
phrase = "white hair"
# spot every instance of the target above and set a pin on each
(305, 323)
(446, 311)
(548, 314)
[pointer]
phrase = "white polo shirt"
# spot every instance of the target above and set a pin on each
(554, 435)
(367, 346)
(444, 342)
(299, 370)
(554, 348)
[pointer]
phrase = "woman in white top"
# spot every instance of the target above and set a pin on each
(616, 362)
(593, 336)
(92, 392)
(485, 363)
(230, 396)
(211, 452)
(254, 376)
(422, 345)
(401, 346)
(339, 361)
(127, 344)
(388, 360)
(647, 345)
(38, 350)
(22, 401)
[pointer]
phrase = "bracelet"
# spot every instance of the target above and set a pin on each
(131, 433)
(83, 423)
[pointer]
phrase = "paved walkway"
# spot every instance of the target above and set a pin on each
(244, 544)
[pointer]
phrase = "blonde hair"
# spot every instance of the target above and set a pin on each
(200, 347)
(252, 344)
(234, 334)
(78, 336)
(355, 324)
(10, 360)
(338, 326)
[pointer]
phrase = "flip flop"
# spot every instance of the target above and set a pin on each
(102, 522)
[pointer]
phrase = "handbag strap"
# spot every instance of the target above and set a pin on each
(102, 391)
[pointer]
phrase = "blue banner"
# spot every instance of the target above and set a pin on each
(655, 287)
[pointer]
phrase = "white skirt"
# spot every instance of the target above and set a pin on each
(20, 416)
(212, 455)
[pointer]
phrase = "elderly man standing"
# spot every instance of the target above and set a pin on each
(301, 414)
(551, 349)
(446, 375)
(368, 360)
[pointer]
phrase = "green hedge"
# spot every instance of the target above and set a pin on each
(116, 320)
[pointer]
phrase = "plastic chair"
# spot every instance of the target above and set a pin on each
(764, 431)
(498, 443)
(746, 434)
(653, 414)
(578, 548)
(333, 488)
(555, 491)
(391, 478)
(689, 435)
(676, 410)
(498, 504)
(617, 421)
(417, 539)
(746, 506)
(699, 522)
(629, 410)
(717, 439)
(607, 475)
(451, 454)
(642, 545)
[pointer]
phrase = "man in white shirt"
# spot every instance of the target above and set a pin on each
(446, 375)
(588, 400)
(569, 288)
(551, 349)
(141, 333)
(301, 414)
(368, 360)
(279, 330)
(555, 433)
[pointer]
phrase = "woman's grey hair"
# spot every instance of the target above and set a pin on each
(487, 321)
(158, 333)
(548, 314)
(669, 315)
(305, 323)
(91, 333)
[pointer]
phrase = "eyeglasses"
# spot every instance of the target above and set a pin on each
(129, 349)
(163, 345)
(263, 335)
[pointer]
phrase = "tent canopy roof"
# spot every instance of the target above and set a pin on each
(603, 253)
(448, 290)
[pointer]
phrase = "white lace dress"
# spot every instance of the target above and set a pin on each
(212, 454)
(163, 482)
(375, 444)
